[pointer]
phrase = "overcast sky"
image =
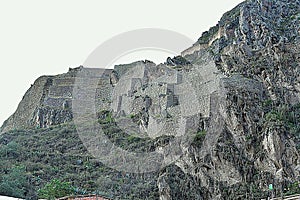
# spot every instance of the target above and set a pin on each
(39, 37)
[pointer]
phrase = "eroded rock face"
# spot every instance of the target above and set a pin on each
(257, 49)
(236, 91)
(31, 100)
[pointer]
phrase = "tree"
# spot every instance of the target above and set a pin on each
(56, 189)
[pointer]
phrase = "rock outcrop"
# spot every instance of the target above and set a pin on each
(235, 92)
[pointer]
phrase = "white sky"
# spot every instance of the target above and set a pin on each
(39, 37)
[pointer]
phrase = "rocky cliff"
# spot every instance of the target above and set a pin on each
(235, 93)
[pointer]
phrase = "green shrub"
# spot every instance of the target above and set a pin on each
(273, 116)
(11, 150)
(56, 189)
(293, 189)
(14, 183)
(199, 137)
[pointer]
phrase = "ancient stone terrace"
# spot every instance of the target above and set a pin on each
(61, 90)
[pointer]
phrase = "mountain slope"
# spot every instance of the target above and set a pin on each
(235, 94)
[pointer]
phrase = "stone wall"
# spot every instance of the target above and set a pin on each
(49, 100)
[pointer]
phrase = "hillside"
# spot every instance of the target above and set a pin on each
(219, 121)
